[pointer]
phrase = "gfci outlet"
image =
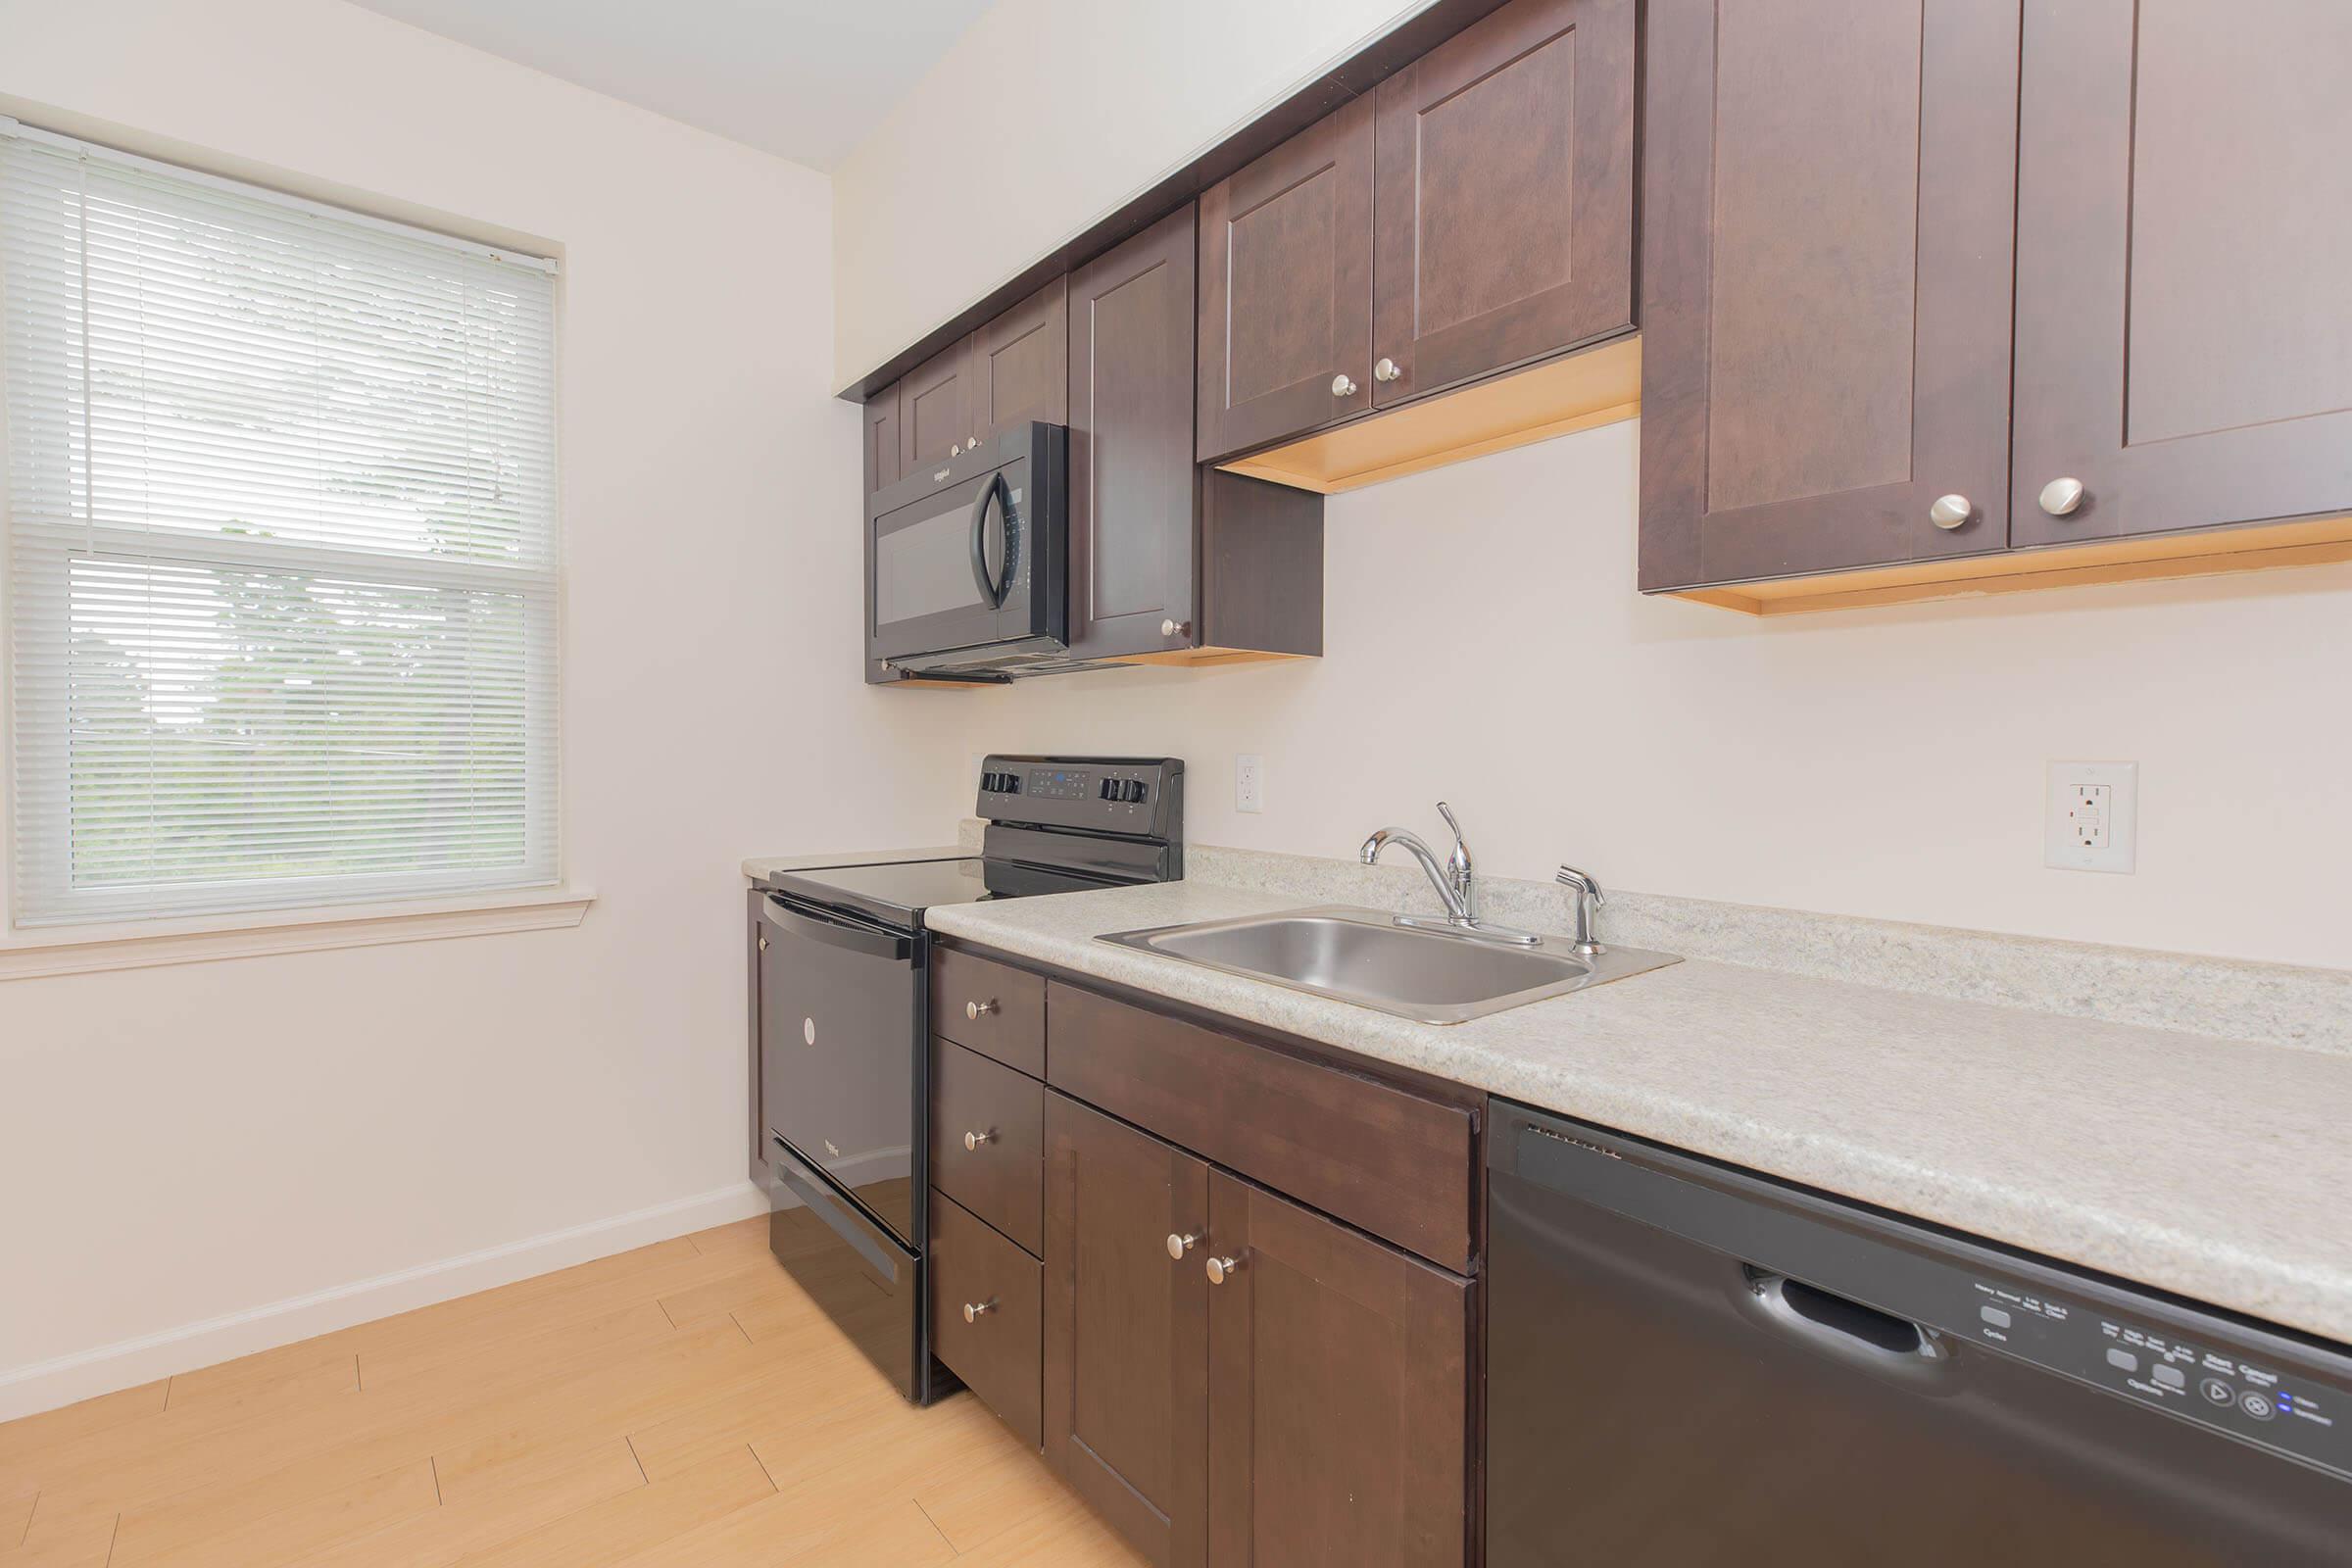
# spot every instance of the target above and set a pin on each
(2092, 822)
(1249, 782)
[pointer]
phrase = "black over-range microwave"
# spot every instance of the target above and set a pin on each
(967, 562)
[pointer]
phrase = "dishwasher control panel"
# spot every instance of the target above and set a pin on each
(2200, 1379)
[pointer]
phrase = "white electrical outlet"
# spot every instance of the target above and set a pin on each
(1249, 782)
(2092, 822)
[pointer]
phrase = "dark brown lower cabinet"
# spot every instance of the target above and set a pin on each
(984, 1313)
(1338, 1395)
(1238, 1382)
(1127, 1329)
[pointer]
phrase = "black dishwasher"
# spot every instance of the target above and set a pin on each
(1689, 1364)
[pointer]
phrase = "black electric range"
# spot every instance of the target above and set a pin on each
(840, 1020)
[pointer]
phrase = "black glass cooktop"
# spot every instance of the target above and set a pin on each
(897, 892)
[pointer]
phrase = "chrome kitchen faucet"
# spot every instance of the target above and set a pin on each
(1456, 882)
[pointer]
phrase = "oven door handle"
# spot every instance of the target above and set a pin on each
(860, 938)
(990, 589)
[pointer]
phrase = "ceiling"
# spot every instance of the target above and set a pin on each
(802, 78)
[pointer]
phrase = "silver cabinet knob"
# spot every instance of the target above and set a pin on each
(1178, 1246)
(954, 446)
(1387, 370)
(1175, 629)
(1341, 386)
(979, 1009)
(2061, 496)
(763, 944)
(1950, 512)
(1221, 1269)
(971, 443)
(974, 1311)
(972, 1142)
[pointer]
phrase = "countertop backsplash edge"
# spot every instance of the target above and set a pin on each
(2228, 999)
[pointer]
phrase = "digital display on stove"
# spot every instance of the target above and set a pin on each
(1061, 783)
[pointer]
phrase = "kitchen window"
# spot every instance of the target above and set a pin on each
(281, 584)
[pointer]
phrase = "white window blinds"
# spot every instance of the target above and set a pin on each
(281, 586)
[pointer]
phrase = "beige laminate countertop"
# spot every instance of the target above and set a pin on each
(2213, 1168)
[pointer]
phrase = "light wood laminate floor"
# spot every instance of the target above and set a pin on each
(683, 1406)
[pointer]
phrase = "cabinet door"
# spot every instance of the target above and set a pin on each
(1134, 508)
(1338, 1395)
(1126, 1329)
(2185, 212)
(1503, 208)
(1285, 288)
(1020, 365)
(882, 438)
(935, 408)
(1828, 230)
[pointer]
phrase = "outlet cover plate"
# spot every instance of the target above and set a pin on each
(2092, 819)
(1249, 782)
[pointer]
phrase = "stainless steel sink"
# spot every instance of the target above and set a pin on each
(1363, 956)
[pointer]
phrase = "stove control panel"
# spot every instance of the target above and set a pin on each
(2257, 1398)
(1138, 795)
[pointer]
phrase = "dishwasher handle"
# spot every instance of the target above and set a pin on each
(1893, 1349)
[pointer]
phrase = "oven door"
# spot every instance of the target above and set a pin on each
(840, 1002)
(969, 555)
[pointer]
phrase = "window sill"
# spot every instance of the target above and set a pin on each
(91, 948)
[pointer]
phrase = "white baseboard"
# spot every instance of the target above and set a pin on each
(46, 1385)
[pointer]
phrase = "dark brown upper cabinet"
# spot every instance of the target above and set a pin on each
(1010, 372)
(935, 408)
(1134, 487)
(882, 438)
(1126, 1329)
(1339, 1383)
(2183, 343)
(1503, 196)
(1285, 288)
(1020, 365)
(1471, 217)
(1828, 199)
(1169, 562)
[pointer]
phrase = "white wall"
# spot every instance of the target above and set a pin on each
(180, 1143)
(1044, 116)
(1483, 644)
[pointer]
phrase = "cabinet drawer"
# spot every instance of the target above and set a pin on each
(1399, 1167)
(1002, 1179)
(997, 1350)
(987, 1008)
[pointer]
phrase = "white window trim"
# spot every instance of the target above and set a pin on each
(38, 952)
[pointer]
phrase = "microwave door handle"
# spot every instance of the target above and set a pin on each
(990, 590)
